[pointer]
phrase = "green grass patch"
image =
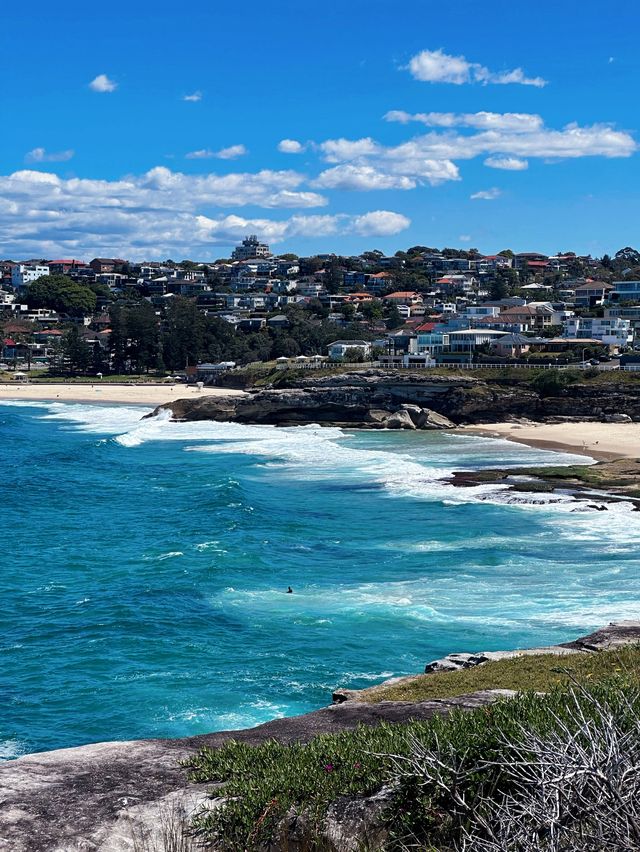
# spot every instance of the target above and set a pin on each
(537, 672)
(263, 783)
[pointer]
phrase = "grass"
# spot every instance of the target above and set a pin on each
(262, 784)
(539, 672)
(43, 377)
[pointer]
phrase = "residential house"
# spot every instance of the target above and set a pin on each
(343, 349)
(65, 267)
(103, 265)
(514, 345)
(456, 283)
(624, 291)
(404, 297)
(612, 331)
(592, 293)
(470, 339)
(531, 259)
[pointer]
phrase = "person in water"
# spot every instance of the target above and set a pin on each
(289, 590)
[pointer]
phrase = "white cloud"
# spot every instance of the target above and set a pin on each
(513, 121)
(201, 154)
(41, 155)
(416, 157)
(486, 194)
(509, 164)
(380, 223)
(290, 146)
(231, 153)
(338, 150)
(352, 177)
(404, 175)
(435, 66)
(161, 213)
(193, 98)
(102, 83)
(465, 238)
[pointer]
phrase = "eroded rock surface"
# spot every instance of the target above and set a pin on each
(366, 398)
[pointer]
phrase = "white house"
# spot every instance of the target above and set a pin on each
(343, 349)
(612, 331)
(24, 273)
(469, 339)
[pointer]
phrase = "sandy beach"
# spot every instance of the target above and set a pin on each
(132, 394)
(602, 441)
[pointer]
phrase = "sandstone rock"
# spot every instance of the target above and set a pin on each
(436, 421)
(399, 420)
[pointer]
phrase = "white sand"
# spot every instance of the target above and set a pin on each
(132, 394)
(598, 440)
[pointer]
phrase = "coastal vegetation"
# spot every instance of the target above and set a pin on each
(537, 672)
(480, 780)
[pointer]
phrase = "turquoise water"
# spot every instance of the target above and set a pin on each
(145, 567)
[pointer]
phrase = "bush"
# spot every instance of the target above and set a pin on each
(553, 382)
(555, 772)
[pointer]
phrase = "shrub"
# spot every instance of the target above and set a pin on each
(532, 773)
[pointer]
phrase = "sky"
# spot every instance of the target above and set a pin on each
(164, 130)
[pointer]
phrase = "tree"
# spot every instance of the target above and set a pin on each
(60, 293)
(183, 334)
(498, 289)
(76, 351)
(372, 311)
(118, 339)
(143, 344)
(348, 310)
(394, 318)
(285, 347)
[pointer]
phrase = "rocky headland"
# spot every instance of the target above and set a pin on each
(383, 399)
(105, 797)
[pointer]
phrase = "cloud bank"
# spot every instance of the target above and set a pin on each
(161, 212)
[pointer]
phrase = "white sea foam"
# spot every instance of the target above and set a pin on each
(327, 453)
(10, 749)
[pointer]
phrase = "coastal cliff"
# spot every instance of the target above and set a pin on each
(375, 399)
(107, 796)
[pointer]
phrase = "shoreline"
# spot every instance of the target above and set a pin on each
(128, 394)
(595, 440)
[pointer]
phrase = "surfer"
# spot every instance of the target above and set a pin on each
(289, 590)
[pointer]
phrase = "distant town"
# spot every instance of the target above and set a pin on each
(419, 308)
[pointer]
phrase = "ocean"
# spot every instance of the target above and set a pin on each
(145, 568)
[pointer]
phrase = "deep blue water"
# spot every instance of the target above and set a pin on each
(145, 567)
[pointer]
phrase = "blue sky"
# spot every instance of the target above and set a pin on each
(154, 130)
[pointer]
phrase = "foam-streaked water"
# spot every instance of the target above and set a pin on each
(145, 567)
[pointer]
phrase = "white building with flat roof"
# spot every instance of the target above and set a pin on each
(24, 273)
(251, 247)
